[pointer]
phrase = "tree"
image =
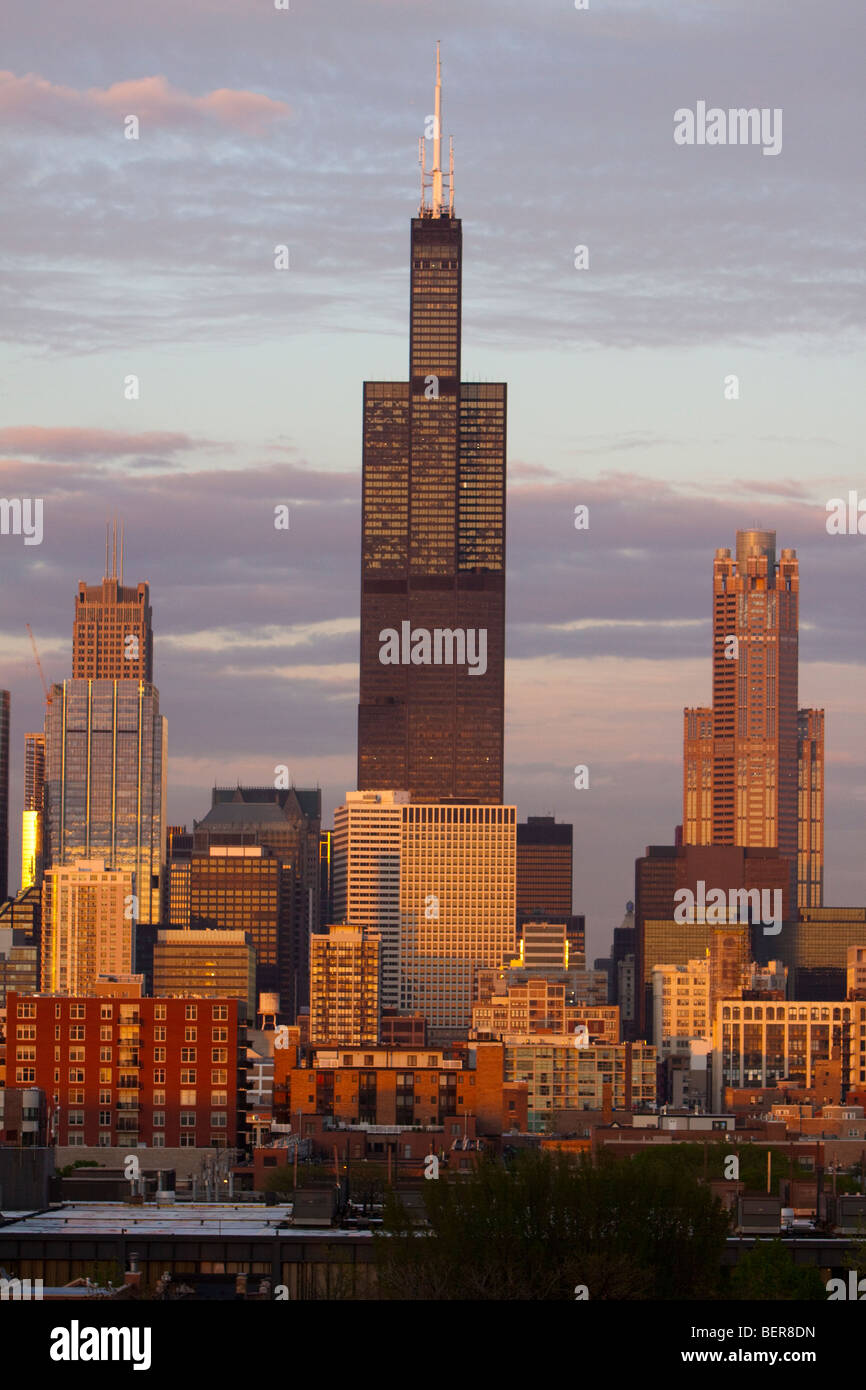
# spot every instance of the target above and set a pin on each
(767, 1273)
(625, 1228)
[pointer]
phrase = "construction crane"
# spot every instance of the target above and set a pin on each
(39, 664)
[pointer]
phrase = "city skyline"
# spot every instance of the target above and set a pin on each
(606, 627)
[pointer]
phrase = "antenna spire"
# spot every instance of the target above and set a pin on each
(437, 139)
(435, 180)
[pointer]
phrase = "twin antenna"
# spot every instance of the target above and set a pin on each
(434, 180)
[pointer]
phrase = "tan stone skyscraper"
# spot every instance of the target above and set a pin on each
(112, 636)
(753, 763)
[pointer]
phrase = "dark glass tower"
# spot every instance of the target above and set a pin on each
(430, 717)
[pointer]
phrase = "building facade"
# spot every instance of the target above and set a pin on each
(544, 870)
(344, 988)
(206, 964)
(87, 926)
(112, 632)
(753, 763)
(105, 756)
(166, 1073)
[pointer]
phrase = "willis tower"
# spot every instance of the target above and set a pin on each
(430, 717)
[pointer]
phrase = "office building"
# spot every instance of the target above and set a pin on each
(33, 815)
(757, 1045)
(105, 755)
(457, 866)
(167, 1073)
(431, 709)
(286, 823)
(235, 888)
(436, 882)
(368, 836)
(4, 794)
(544, 870)
(753, 763)
(344, 988)
(206, 964)
(87, 926)
(112, 632)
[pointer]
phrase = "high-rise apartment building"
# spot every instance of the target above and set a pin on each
(431, 708)
(344, 988)
(753, 763)
(87, 928)
(105, 753)
(112, 634)
(4, 794)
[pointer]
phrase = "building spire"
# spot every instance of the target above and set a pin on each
(437, 139)
(436, 180)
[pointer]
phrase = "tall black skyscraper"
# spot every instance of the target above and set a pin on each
(430, 718)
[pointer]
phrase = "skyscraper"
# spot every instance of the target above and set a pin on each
(112, 636)
(105, 781)
(437, 883)
(32, 818)
(753, 763)
(431, 709)
(544, 867)
(4, 794)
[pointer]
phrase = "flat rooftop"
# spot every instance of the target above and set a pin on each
(251, 1221)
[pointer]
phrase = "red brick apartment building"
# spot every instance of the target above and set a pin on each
(164, 1073)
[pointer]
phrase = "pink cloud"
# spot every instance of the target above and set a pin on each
(72, 443)
(152, 99)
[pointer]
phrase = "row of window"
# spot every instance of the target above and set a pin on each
(127, 1014)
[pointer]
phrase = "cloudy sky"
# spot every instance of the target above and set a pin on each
(257, 127)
